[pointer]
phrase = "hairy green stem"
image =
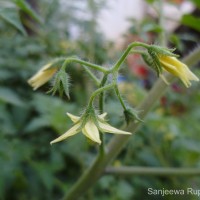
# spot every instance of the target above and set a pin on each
(101, 96)
(94, 172)
(99, 91)
(82, 62)
(126, 52)
(101, 108)
(120, 97)
(94, 78)
(158, 171)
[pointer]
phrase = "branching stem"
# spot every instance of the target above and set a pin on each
(126, 52)
(94, 172)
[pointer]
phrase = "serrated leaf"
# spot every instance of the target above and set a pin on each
(11, 15)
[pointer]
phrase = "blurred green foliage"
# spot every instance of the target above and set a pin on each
(30, 167)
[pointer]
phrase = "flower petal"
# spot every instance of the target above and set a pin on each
(102, 116)
(110, 129)
(72, 131)
(179, 69)
(91, 131)
(73, 117)
(190, 75)
(42, 76)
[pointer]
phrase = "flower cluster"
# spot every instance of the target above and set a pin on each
(90, 123)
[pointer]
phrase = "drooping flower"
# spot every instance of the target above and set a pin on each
(177, 68)
(90, 128)
(42, 76)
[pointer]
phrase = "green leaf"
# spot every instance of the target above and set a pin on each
(191, 21)
(27, 9)
(9, 96)
(11, 15)
(197, 3)
(188, 144)
(36, 124)
(124, 190)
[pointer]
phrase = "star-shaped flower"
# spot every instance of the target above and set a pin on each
(90, 128)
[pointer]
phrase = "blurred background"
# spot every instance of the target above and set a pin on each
(34, 32)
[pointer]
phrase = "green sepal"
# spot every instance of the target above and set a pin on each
(57, 62)
(131, 114)
(61, 84)
(163, 51)
(65, 80)
(152, 61)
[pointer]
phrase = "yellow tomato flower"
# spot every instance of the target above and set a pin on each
(177, 68)
(90, 129)
(42, 76)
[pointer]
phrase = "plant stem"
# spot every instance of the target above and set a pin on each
(125, 54)
(82, 62)
(94, 78)
(94, 172)
(159, 171)
(101, 96)
(101, 108)
(120, 97)
(161, 23)
(99, 91)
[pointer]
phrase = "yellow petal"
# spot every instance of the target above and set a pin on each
(42, 76)
(110, 129)
(179, 69)
(90, 130)
(73, 117)
(171, 60)
(72, 131)
(169, 65)
(190, 75)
